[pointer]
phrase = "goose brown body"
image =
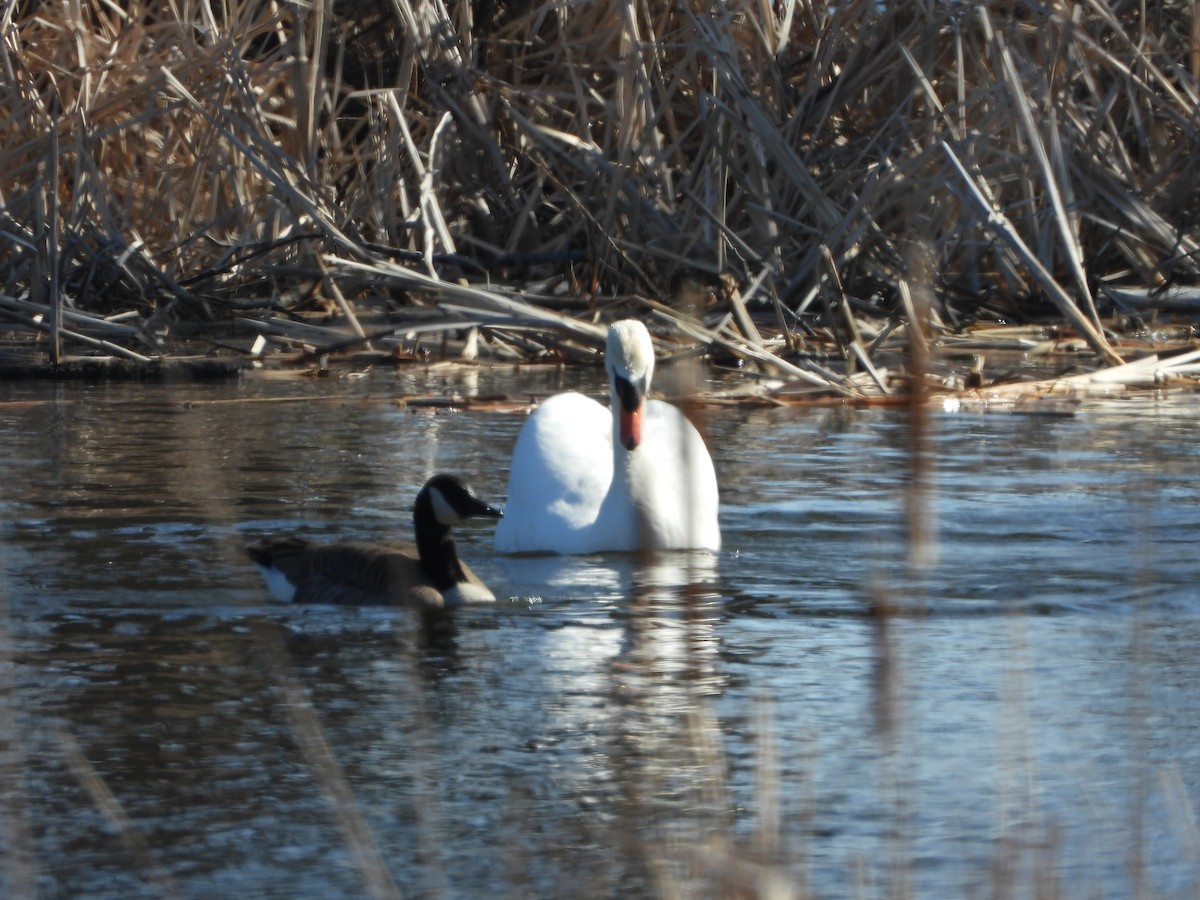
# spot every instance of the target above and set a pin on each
(427, 573)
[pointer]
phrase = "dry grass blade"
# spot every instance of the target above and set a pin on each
(110, 807)
(477, 300)
(1068, 238)
(328, 773)
(743, 348)
(57, 332)
(269, 163)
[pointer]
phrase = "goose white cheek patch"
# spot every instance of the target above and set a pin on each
(442, 510)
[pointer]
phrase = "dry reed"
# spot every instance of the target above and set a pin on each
(188, 162)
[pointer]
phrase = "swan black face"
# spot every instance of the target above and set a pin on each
(629, 398)
(452, 501)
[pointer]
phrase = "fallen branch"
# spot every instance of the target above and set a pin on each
(1148, 372)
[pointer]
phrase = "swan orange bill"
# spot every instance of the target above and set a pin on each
(631, 427)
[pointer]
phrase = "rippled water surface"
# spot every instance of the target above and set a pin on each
(1023, 714)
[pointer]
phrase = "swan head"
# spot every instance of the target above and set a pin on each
(629, 358)
(451, 501)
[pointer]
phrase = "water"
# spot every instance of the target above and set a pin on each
(1027, 717)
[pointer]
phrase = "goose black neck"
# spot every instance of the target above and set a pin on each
(435, 546)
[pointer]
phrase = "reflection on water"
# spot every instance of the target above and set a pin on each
(614, 725)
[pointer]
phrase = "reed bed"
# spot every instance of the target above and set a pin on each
(775, 181)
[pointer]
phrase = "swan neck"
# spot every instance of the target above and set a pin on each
(628, 492)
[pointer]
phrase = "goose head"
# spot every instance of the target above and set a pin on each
(441, 503)
(629, 358)
(446, 501)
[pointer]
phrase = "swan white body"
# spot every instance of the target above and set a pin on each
(586, 478)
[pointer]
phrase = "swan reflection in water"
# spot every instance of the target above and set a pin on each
(638, 665)
(666, 603)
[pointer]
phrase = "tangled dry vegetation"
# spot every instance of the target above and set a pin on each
(814, 188)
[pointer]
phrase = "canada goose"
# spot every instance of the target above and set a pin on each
(428, 574)
(586, 479)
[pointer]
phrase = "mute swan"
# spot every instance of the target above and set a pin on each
(586, 479)
(427, 574)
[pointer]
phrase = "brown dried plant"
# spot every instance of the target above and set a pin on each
(198, 154)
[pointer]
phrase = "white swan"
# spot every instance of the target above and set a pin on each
(584, 479)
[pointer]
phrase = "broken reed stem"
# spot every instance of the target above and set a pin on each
(19, 874)
(1068, 237)
(854, 342)
(60, 332)
(112, 810)
(1195, 43)
(50, 192)
(918, 509)
(1005, 230)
